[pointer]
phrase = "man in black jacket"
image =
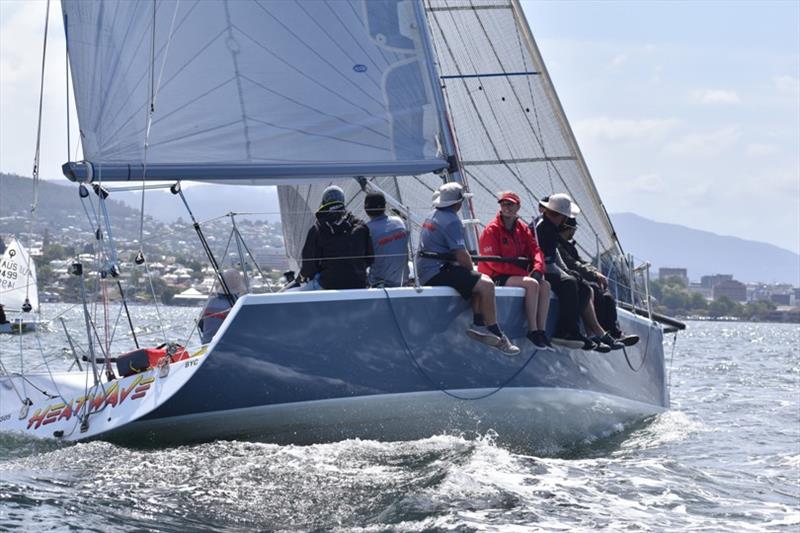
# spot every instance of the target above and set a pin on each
(603, 312)
(338, 248)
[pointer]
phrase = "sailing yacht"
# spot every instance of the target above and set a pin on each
(398, 96)
(19, 294)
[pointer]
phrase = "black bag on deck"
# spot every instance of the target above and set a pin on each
(133, 362)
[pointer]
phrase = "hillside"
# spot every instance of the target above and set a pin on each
(59, 208)
(703, 252)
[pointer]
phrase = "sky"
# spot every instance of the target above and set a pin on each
(686, 112)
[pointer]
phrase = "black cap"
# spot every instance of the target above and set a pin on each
(374, 201)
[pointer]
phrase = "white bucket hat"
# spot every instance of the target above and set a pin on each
(449, 194)
(562, 204)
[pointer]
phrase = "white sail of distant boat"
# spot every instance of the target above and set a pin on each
(18, 279)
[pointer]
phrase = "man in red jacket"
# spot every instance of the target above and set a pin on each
(508, 236)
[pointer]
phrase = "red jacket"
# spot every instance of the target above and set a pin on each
(497, 240)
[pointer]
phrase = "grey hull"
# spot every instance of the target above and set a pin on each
(319, 366)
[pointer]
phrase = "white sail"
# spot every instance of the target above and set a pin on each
(511, 131)
(258, 90)
(17, 278)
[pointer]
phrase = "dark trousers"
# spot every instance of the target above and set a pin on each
(606, 308)
(572, 298)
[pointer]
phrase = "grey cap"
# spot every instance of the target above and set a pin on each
(332, 195)
(449, 194)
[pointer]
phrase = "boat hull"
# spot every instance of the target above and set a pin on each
(18, 326)
(396, 364)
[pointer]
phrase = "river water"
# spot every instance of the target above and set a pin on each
(726, 457)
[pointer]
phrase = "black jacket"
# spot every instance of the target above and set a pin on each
(571, 257)
(337, 234)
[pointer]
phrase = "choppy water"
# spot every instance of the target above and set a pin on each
(725, 458)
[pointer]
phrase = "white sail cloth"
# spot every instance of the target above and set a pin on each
(511, 131)
(17, 278)
(301, 89)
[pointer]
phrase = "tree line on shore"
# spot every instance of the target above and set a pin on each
(673, 297)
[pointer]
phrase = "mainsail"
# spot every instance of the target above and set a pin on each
(239, 91)
(17, 278)
(509, 126)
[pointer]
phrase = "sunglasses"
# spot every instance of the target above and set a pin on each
(507, 203)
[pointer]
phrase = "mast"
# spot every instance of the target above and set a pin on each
(454, 170)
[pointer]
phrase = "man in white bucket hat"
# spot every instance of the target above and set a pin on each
(445, 261)
(572, 296)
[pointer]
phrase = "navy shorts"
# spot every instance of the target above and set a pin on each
(461, 279)
(501, 280)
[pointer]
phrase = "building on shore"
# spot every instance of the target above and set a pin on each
(735, 290)
(670, 272)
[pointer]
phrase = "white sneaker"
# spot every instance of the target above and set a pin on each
(482, 334)
(506, 347)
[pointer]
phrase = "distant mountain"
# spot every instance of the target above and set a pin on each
(703, 252)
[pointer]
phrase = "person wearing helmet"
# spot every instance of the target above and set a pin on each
(338, 248)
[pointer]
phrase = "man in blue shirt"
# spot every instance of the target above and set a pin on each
(389, 242)
(445, 261)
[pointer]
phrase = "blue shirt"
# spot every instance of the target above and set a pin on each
(390, 244)
(441, 233)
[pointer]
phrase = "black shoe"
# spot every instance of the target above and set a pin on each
(568, 340)
(610, 341)
(628, 340)
(539, 339)
(588, 344)
(601, 348)
(574, 340)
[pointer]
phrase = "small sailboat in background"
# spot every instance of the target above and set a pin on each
(19, 293)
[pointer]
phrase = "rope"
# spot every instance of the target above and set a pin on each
(434, 385)
(644, 357)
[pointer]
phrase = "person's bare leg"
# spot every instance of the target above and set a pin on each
(476, 303)
(531, 287)
(485, 288)
(544, 304)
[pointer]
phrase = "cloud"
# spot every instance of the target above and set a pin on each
(707, 144)
(647, 183)
(715, 96)
(605, 128)
(757, 149)
(619, 60)
(787, 84)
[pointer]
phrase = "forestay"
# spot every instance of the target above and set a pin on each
(510, 128)
(251, 91)
(17, 278)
